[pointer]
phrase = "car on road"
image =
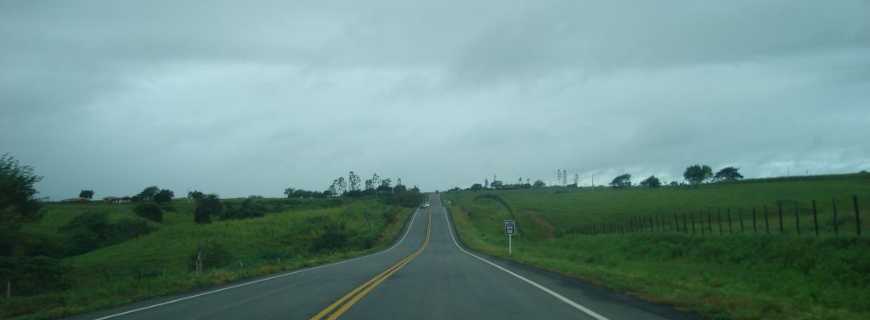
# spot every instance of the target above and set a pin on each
(426, 205)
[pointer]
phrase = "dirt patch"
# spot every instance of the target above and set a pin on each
(538, 220)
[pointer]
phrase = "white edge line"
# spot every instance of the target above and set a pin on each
(410, 225)
(535, 284)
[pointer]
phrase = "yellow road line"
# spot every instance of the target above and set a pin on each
(348, 300)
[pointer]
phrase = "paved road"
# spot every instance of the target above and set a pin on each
(426, 275)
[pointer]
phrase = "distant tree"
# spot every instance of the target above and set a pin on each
(340, 185)
(414, 189)
(369, 185)
(148, 193)
(621, 181)
(539, 184)
(386, 185)
(164, 196)
(86, 194)
(651, 182)
(17, 201)
(353, 181)
(496, 184)
(674, 184)
(697, 174)
(476, 187)
(206, 207)
(289, 192)
(728, 174)
(486, 183)
(195, 195)
(150, 211)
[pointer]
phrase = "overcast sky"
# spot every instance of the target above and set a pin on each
(244, 97)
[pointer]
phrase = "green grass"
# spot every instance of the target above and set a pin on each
(739, 276)
(157, 264)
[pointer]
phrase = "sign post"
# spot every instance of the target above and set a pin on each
(509, 229)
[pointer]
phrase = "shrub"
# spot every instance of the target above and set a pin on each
(206, 207)
(150, 211)
(334, 236)
(92, 230)
(250, 208)
(32, 275)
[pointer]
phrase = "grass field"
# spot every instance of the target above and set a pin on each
(739, 276)
(159, 263)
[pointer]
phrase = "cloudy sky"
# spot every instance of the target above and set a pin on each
(243, 98)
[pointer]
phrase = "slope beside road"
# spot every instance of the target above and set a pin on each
(426, 275)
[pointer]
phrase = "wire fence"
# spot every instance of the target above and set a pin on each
(786, 217)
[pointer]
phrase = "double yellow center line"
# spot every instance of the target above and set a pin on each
(338, 308)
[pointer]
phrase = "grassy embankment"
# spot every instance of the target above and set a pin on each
(160, 263)
(739, 276)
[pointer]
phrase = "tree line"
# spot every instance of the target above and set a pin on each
(694, 174)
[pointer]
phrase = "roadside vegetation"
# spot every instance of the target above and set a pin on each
(63, 258)
(728, 276)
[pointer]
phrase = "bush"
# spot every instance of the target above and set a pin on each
(150, 211)
(206, 207)
(92, 230)
(334, 236)
(212, 255)
(250, 208)
(32, 275)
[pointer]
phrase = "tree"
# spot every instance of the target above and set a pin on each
(164, 196)
(621, 181)
(206, 207)
(728, 174)
(195, 195)
(697, 174)
(539, 184)
(476, 187)
(496, 184)
(150, 211)
(86, 194)
(148, 193)
(289, 192)
(17, 201)
(651, 182)
(386, 185)
(353, 181)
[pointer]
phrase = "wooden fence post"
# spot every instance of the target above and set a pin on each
(815, 218)
(766, 221)
(857, 215)
(728, 212)
(797, 218)
(719, 218)
(779, 204)
(754, 221)
(686, 224)
(709, 221)
(740, 216)
(836, 224)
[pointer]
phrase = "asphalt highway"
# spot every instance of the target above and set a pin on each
(427, 274)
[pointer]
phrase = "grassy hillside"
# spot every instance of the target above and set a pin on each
(298, 235)
(739, 276)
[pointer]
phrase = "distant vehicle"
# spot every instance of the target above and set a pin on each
(426, 205)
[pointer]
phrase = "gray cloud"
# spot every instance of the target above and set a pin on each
(248, 99)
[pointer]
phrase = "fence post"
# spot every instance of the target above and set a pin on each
(728, 213)
(766, 221)
(797, 218)
(857, 214)
(686, 224)
(676, 223)
(754, 221)
(836, 224)
(740, 216)
(719, 218)
(700, 222)
(779, 204)
(815, 218)
(710, 221)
